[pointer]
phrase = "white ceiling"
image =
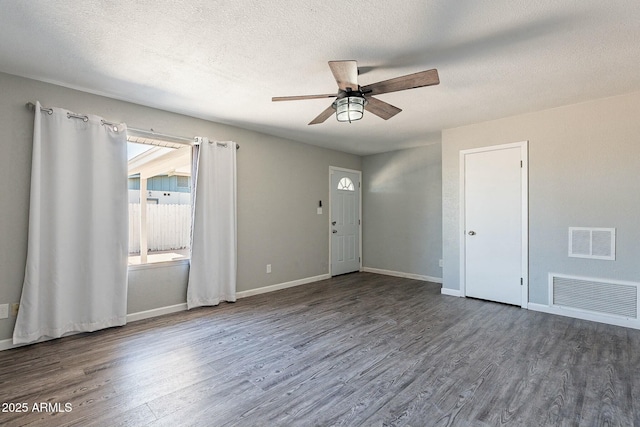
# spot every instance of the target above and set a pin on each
(224, 60)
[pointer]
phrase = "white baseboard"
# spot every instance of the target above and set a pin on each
(147, 314)
(401, 274)
(451, 292)
(583, 315)
(243, 294)
(8, 344)
(285, 285)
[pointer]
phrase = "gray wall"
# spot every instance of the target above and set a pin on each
(584, 163)
(279, 185)
(402, 211)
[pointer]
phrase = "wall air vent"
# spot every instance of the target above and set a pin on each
(595, 243)
(599, 296)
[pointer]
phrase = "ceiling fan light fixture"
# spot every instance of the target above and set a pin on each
(350, 108)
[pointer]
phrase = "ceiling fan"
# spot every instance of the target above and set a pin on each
(352, 99)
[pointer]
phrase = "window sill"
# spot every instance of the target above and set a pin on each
(162, 264)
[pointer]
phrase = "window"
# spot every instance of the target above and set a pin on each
(159, 183)
(183, 182)
(346, 184)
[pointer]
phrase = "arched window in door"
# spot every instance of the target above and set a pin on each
(346, 184)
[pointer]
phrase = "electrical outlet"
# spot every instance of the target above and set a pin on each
(14, 309)
(4, 311)
(268, 268)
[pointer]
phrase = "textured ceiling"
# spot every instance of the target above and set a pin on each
(224, 60)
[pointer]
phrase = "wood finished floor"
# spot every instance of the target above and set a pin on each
(355, 350)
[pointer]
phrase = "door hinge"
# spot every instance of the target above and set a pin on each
(521, 281)
(520, 163)
(358, 222)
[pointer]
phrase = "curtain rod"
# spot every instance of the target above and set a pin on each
(141, 132)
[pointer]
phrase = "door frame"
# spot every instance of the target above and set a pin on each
(524, 153)
(333, 169)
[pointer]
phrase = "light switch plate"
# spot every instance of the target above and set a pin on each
(319, 211)
(4, 311)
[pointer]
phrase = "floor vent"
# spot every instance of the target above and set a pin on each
(607, 297)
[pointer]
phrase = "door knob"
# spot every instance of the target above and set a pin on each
(472, 233)
(334, 231)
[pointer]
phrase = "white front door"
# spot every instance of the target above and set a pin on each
(345, 221)
(494, 223)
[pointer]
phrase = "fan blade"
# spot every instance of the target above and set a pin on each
(345, 73)
(411, 81)
(380, 108)
(296, 98)
(323, 116)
